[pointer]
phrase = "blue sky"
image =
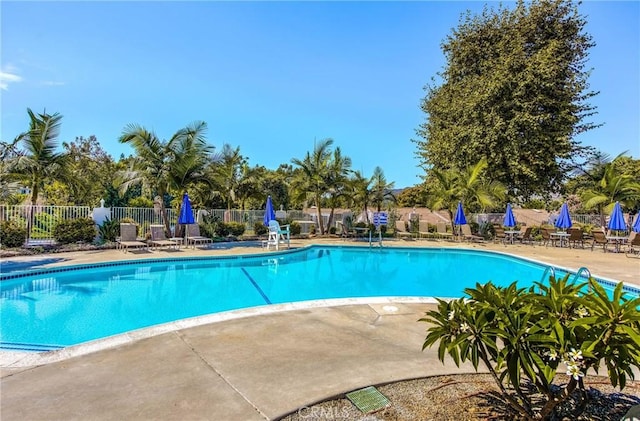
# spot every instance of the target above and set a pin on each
(270, 77)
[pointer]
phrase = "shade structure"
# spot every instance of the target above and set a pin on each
(616, 219)
(460, 218)
(269, 212)
(509, 219)
(186, 213)
(636, 225)
(564, 220)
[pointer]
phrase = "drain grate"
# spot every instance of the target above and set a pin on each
(368, 400)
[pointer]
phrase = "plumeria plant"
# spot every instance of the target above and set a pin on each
(525, 336)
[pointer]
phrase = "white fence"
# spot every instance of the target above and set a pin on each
(43, 219)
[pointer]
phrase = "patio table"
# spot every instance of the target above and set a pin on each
(511, 235)
(617, 240)
(562, 236)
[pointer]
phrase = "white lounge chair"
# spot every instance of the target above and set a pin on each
(129, 237)
(158, 239)
(278, 235)
(402, 232)
(194, 237)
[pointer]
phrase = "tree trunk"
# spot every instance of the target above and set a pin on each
(319, 212)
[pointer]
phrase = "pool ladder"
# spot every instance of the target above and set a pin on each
(580, 271)
(551, 270)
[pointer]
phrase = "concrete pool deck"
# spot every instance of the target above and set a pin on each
(248, 368)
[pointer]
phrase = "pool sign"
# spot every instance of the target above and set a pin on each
(379, 218)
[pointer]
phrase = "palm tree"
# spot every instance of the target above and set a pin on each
(39, 162)
(468, 186)
(361, 192)
(310, 183)
(228, 173)
(337, 178)
(166, 167)
(613, 187)
(380, 188)
(476, 191)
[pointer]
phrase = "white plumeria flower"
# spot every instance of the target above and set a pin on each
(582, 312)
(452, 314)
(553, 354)
(574, 371)
(464, 327)
(575, 355)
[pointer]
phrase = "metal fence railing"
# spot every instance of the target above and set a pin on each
(43, 219)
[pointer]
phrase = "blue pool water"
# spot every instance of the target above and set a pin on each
(63, 307)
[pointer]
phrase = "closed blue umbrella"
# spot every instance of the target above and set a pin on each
(616, 220)
(636, 225)
(564, 220)
(269, 213)
(460, 218)
(509, 219)
(186, 214)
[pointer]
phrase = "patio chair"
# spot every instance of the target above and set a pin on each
(547, 238)
(599, 238)
(575, 236)
(158, 239)
(441, 231)
(402, 232)
(346, 231)
(525, 237)
(278, 235)
(467, 235)
(423, 230)
(129, 237)
(499, 234)
(633, 245)
(194, 237)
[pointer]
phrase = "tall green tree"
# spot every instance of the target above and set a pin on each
(514, 91)
(309, 184)
(37, 160)
(229, 172)
(381, 189)
(90, 169)
(447, 187)
(614, 186)
(412, 196)
(361, 192)
(166, 167)
(337, 178)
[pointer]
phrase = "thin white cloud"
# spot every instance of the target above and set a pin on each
(6, 78)
(53, 83)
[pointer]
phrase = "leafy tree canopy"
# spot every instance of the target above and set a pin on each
(514, 91)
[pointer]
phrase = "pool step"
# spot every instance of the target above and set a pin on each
(16, 346)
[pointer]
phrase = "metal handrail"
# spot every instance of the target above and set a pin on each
(582, 269)
(547, 270)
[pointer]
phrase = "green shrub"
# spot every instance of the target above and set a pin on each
(109, 230)
(12, 234)
(295, 228)
(332, 230)
(224, 229)
(259, 228)
(75, 230)
(524, 336)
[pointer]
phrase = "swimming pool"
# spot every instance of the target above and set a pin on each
(59, 307)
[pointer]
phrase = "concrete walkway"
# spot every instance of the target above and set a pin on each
(248, 368)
